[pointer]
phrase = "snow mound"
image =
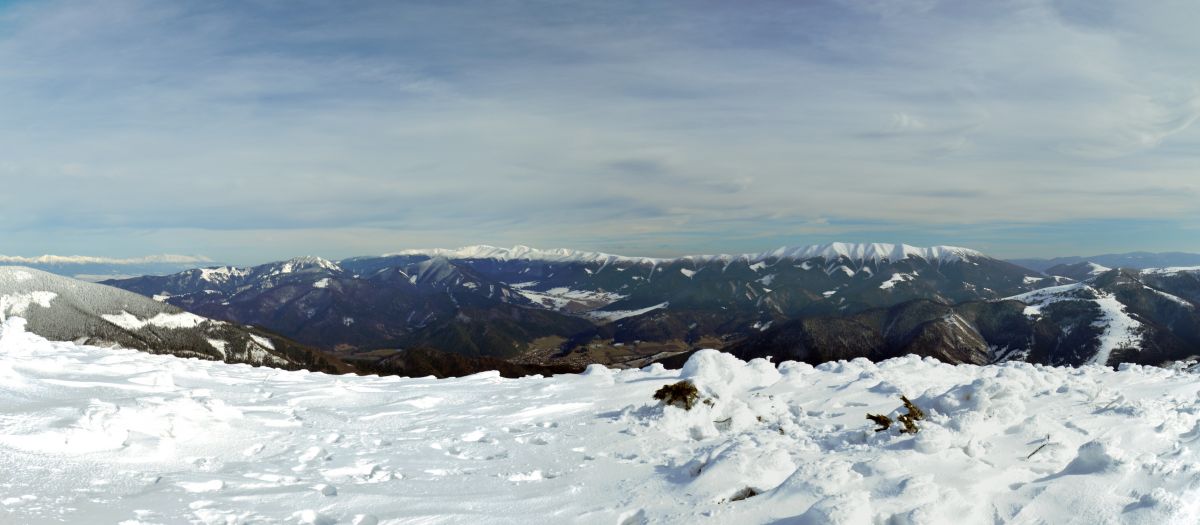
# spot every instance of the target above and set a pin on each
(93, 435)
(721, 375)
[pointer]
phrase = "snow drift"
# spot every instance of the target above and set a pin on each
(93, 435)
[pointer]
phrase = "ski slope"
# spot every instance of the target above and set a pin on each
(94, 435)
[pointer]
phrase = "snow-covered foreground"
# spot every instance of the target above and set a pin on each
(90, 435)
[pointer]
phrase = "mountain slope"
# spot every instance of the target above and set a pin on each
(550, 305)
(64, 309)
(688, 299)
(1114, 318)
(1080, 271)
(430, 302)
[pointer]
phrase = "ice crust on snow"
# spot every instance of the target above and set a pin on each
(104, 436)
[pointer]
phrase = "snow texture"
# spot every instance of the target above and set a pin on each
(93, 435)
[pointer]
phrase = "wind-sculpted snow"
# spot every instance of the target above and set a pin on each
(92, 435)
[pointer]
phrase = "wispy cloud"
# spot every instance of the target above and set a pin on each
(246, 130)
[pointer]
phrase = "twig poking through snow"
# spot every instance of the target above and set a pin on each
(1039, 449)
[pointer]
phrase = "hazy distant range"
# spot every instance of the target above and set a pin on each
(100, 268)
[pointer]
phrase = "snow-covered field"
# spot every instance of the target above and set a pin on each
(91, 435)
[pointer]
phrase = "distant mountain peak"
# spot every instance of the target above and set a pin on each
(853, 251)
(85, 259)
(1175, 270)
(872, 251)
(1080, 271)
(308, 261)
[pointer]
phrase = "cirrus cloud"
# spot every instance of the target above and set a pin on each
(254, 130)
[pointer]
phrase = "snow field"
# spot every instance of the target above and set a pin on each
(91, 435)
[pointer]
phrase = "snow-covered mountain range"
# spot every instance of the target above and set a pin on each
(831, 251)
(569, 306)
(811, 303)
(1132, 260)
(90, 268)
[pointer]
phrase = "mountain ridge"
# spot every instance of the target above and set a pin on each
(854, 251)
(65, 309)
(1135, 260)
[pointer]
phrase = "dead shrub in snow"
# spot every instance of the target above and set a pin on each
(909, 419)
(883, 421)
(913, 411)
(682, 394)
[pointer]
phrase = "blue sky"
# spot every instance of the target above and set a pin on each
(250, 131)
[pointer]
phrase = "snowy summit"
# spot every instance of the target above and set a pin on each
(832, 251)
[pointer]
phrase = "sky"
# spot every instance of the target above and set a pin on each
(251, 131)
